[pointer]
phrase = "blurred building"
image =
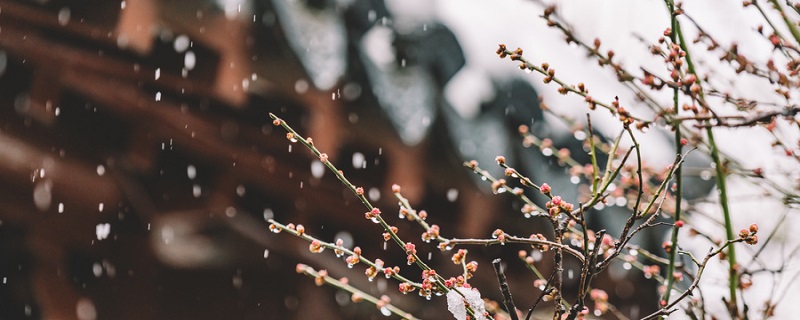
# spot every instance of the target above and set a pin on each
(138, 163)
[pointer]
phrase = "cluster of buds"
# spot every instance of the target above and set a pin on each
(338, 251)
(600, 299)
(426, 288)
(502, 51)
(388, 235)
(473, 165)
(405, 213)
(372, 271)
(499, 235)
(315, 246)
(551, 73)
(390, 271)
(591, 102)
(373, 214)
(648, 79)
(319, 280)
(456, 282)
(498, 185)
(471, 267)
(556, 205)
(406, 287)
(411, 250)
(428, 284)
(459, 256)
(429, 275)
(675, 55)
(624, 115)
(650, 271)
(445, 245)
(516, 55)
(689, 80)
(274, 228)
(545, 189)
(749, 234)
(354, 258)
(383, 302)
(431, 234)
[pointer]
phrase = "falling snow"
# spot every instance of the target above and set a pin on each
(102, 231)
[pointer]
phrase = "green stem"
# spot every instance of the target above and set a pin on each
(678, 194)
(720, 177)
(723, 199)
(678, 179)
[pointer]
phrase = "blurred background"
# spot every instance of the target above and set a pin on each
(138, 164)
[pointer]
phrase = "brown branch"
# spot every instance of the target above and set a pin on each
(507, 300)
